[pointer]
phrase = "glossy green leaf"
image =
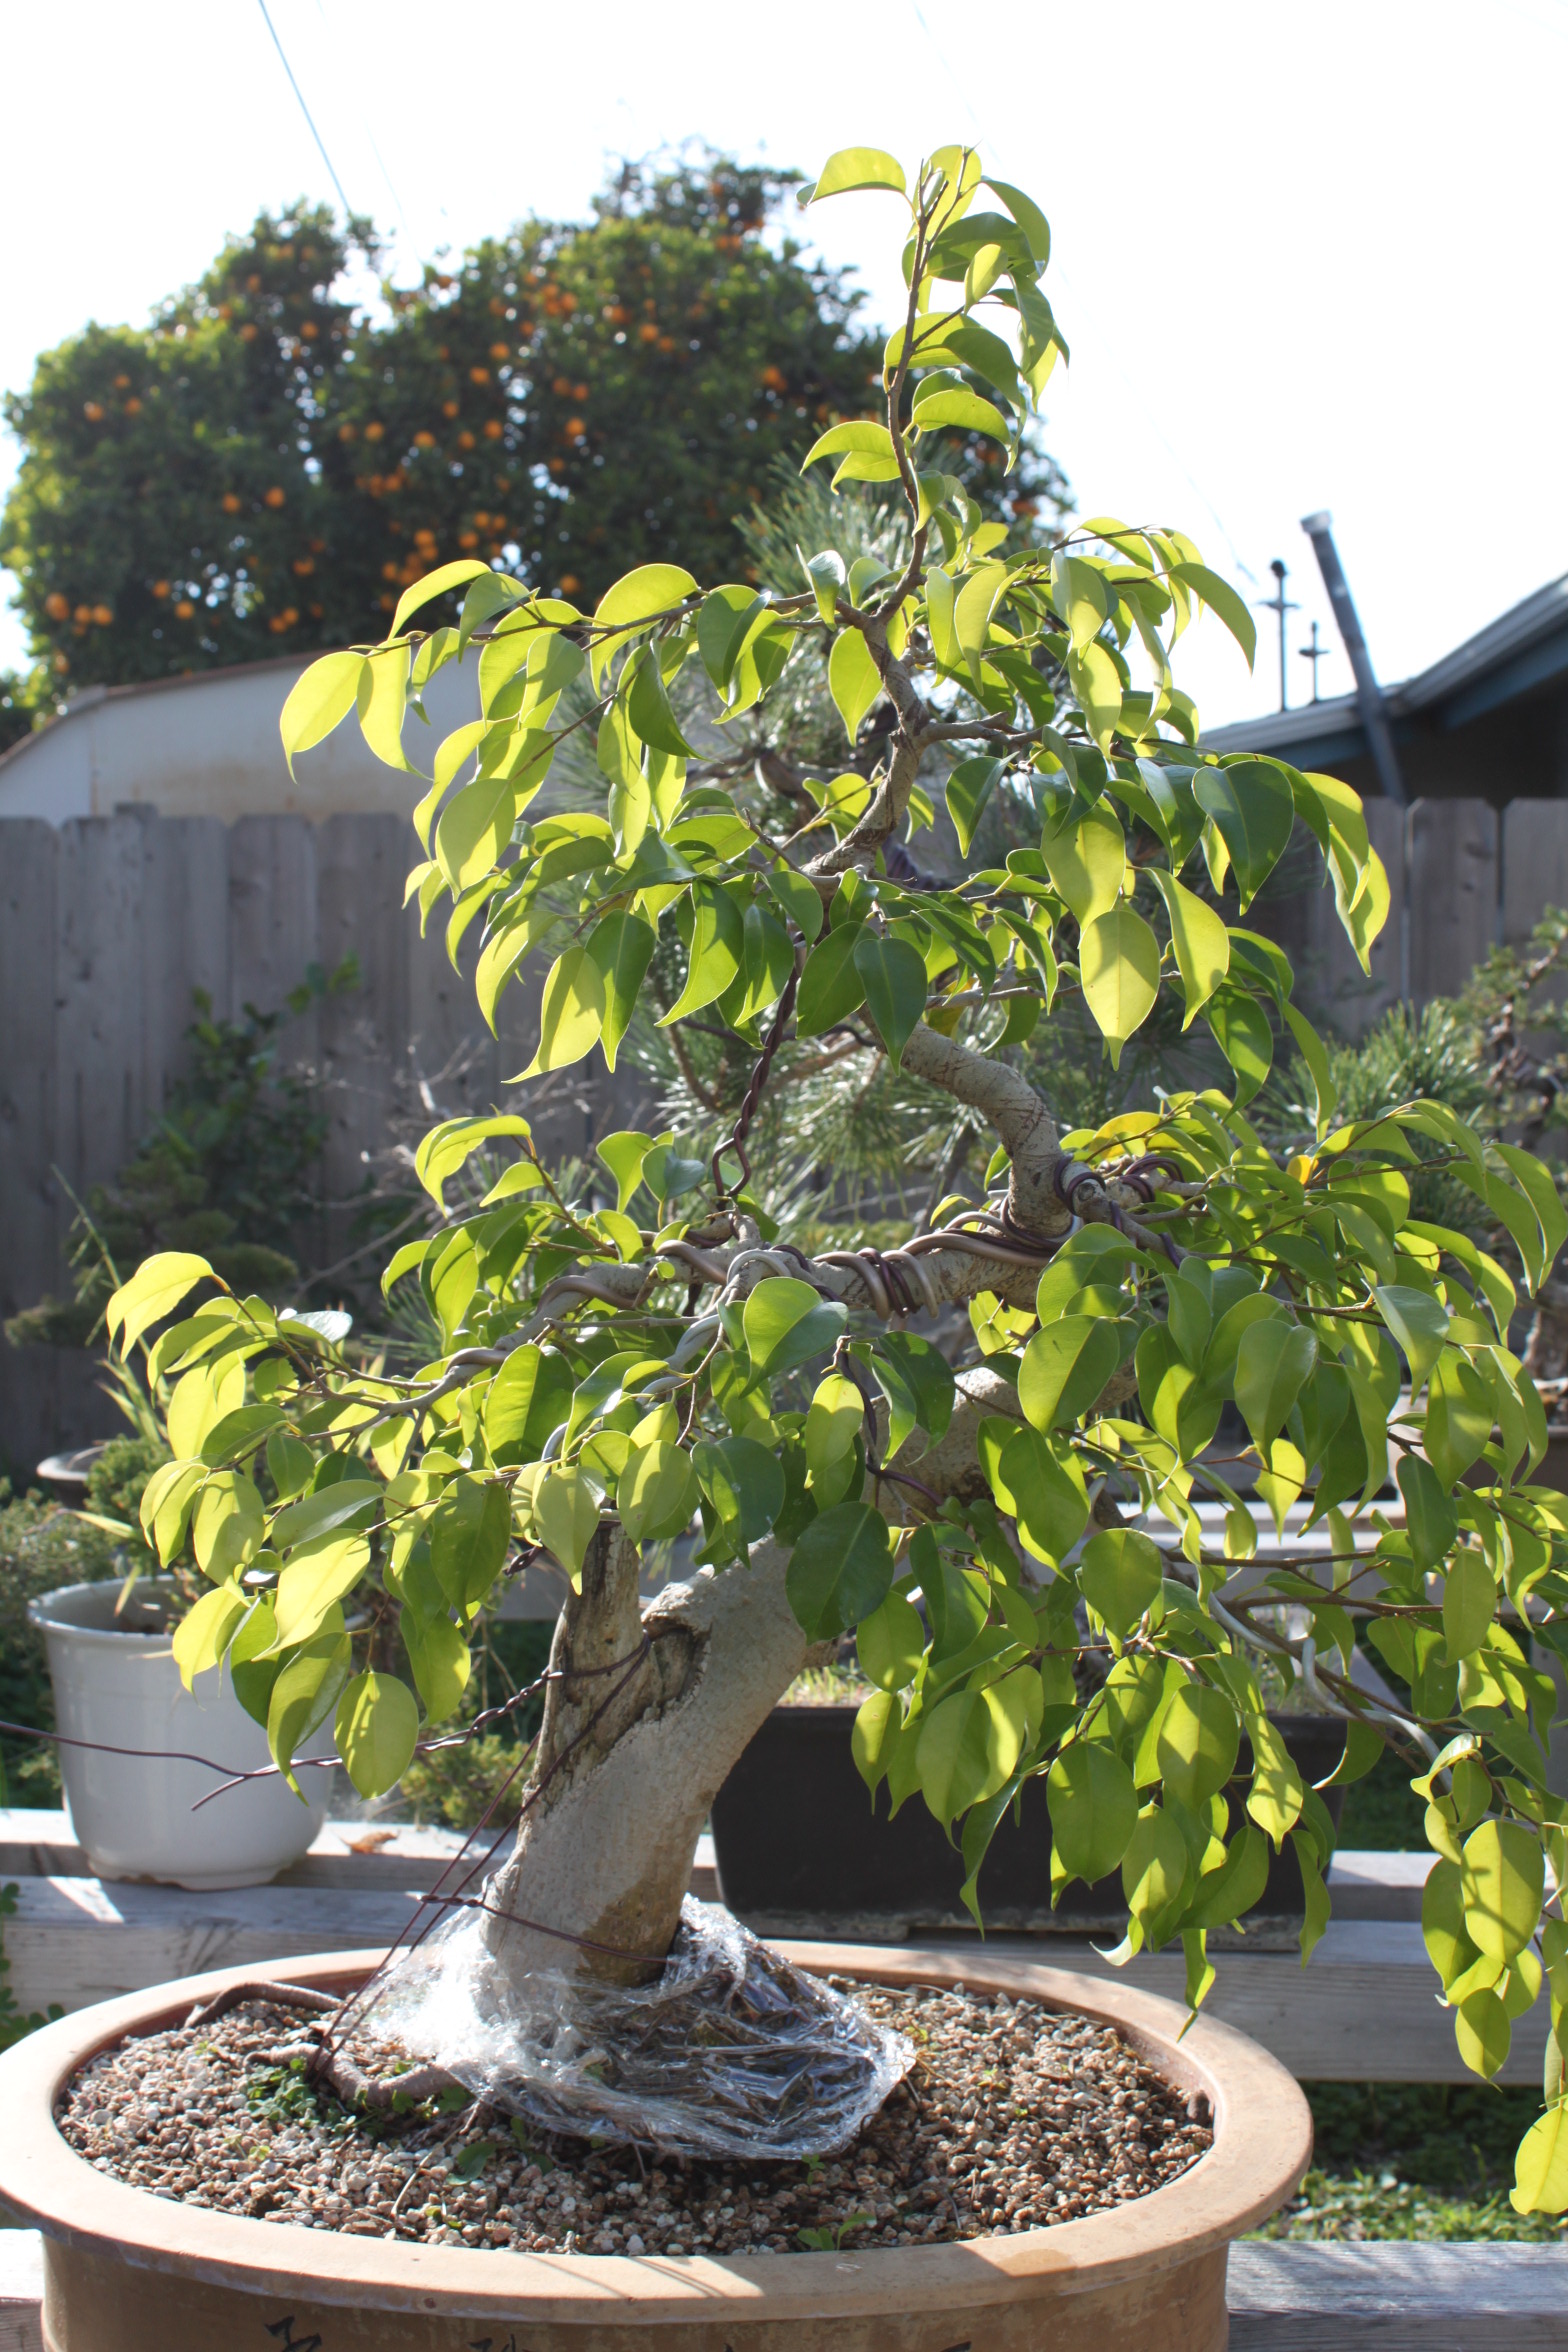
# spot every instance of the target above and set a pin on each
(303, 1696)
(203, 1634)
(571, 1011)
(1273, 1362)
(849, 168)
(153, 1292)
(1199, 937)
(1064, 1369)
(1469, 1605)
(1251, 806)
(1198, 1738)
(716, 942)
(1094, 1811)
(656, 1493)
(1242, 1033)
(1221, 598)
(1418, 1321)
(840, 1570)
(1119, 961)
(890, 1643)
(320, 701)
(622, 948)
(831, 986)
(787, 1322)
(853, 680)
(894, 977)
(969, 787)
(1503, 1882)
(1459, 1416)
(744, 1481)
(1119, 1573)
(376, 1727)
(441, 1662)
(1086, 858)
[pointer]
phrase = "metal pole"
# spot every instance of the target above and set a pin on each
(1314, 653)
(1369, 696)
(1280, 604)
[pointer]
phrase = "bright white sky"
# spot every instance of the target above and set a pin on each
(1304, 256)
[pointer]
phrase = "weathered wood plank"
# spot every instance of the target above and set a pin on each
(30, 1200)
(1535, 864)
(360, 865)
(1291, 2296)
(1451, 887)
(101, 1107)
(1332, 986)
(185, 940)
(273, 927)
(21, 2290)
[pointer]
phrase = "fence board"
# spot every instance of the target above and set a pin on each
(108, 924)
(1451, 883)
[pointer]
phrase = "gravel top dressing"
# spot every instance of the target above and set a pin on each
(1014, 2116)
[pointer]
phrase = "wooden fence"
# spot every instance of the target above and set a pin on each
(107, 927)
(108, 924)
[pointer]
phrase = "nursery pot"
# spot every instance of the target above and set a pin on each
(126, 2271)
(801, 1851)
(132, 1810)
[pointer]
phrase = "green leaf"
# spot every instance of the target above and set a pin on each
(1242, 1033)
(448, 1147)
(890, 1643)
(1541, 2165)
(474, 828)
(1469, 1605)
(840, 1570)
(1119, 1575)
(622, 947)
(1155, 1870)
(744, 1481)
(1536, 1184)
(1119, 961)
(382, 699)
(786, 1323)
(956, 408)
(529, 1399)
(648, 706)
(566, 1513)
(869, 456)
(1199, 937)
(1049, 1506)
(1227, 1892)
(153, 1291)
(1086, 860)
(304, 1695)
(831, 986)
(1482, 2033)
(894, 977)
(1459, 1416)
(1097, 687)
(1431, 1521)
(423, 592)
(571, 1012)
(1276, 1795)
(724, 620)
(1314, 1054)
(1273, 1364)
(799, 901)
(1029, 217)
(319, 701)
(655, 1494)
(376, 1727)
(969, 787)
(202, 1636)
(853, 679)
(1418, 1321)
(1253, 811)
(1094, 1811)
(320, 1574)
(623, 1154)
(717, 941)
(1503, 1883)
(1197, 1743)
(1064, 1369)
(849, 168)
(440, 1660)
(1221, 598)
(639, 596)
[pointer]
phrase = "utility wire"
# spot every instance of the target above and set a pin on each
(305, 110)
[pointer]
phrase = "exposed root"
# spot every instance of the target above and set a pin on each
(282, 1996)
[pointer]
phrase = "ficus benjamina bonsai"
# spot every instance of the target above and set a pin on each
(609, 1377)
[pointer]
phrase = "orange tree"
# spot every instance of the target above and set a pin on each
(605, 1378)
(263, 464)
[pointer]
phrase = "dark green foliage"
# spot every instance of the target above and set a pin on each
(42, 1546)
(1413, 2160)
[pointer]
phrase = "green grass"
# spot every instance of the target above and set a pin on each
(1402, 2160)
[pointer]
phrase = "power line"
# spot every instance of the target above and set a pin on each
(305, 110)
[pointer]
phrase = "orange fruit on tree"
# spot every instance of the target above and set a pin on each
(479, 375)
(82, 615)
(374, 431)
(92, 411)
(465, 440)
(58, 607)
(494, 429)
(424, 440)
(449, 408)
(185, 609)
(272, 497)
(230, 503)
(160, 589)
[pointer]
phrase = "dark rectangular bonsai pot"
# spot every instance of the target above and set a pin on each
(801, 1852)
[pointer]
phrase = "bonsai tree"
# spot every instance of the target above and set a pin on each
(608, 1377)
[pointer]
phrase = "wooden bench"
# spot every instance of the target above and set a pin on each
(1283, 2297)
(1364, 2011)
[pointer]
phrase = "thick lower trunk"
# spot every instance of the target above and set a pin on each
(631, 1759)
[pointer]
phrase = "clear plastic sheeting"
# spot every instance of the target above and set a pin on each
(730, 2052)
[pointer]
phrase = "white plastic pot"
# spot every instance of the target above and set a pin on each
(132, 1812)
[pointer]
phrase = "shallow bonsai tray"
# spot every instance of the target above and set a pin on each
(126, 2271)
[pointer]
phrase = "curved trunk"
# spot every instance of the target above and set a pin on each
(631, 1760)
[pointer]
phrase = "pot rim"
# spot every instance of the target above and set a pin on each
(1262, 2144)
(40, 1613)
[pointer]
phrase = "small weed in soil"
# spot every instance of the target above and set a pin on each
(1013, 2117)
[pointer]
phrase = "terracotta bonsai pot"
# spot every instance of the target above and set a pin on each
(125, 2271)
